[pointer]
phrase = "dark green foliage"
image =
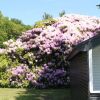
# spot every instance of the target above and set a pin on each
(10, 28)
(17, 21)
(4, 65)
(47, 16)
(47, 20)
(62, 13)
(4, 62)
(44, 23)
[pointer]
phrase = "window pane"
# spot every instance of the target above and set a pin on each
(96, 68)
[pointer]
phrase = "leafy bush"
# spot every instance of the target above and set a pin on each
(4, 62)
(41, 77)
(4, 79)
(44, 23)
(10, 28)
(41, 55)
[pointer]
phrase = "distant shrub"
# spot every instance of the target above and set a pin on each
(44, 23)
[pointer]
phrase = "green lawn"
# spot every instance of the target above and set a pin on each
(34, 94)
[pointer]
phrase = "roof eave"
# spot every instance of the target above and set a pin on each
(85, 46)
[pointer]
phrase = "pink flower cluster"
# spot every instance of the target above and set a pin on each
(30, 76)
(40, 78)
(20, 70)
(2, 51)
(49, 77)
(57, 40)
(12, 45)
(69, 29)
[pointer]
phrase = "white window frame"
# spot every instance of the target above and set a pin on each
(91, 73)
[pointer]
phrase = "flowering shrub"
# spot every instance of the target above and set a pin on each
(40, 77)
(59, 38)
(2, 51)
(17, 77)
(50, 46)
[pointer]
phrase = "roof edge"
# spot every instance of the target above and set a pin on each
(85, 46)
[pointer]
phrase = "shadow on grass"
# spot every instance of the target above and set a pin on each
(44, 94)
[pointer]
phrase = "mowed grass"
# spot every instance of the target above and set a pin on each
(34, 94)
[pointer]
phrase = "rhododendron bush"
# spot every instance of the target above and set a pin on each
(46, 49)
(40, 78)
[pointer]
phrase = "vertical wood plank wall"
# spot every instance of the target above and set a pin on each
(79, 76)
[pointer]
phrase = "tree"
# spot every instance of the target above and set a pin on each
(10, 28)
(1, 15)
(47, 16)
(17, 21)
(62, 13)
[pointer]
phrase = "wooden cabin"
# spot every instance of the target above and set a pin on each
(85, 70)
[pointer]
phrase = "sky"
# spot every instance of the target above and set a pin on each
(30, 11)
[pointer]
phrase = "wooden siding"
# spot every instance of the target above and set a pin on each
(79, 76)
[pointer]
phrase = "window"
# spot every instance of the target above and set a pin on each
(94, 70)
